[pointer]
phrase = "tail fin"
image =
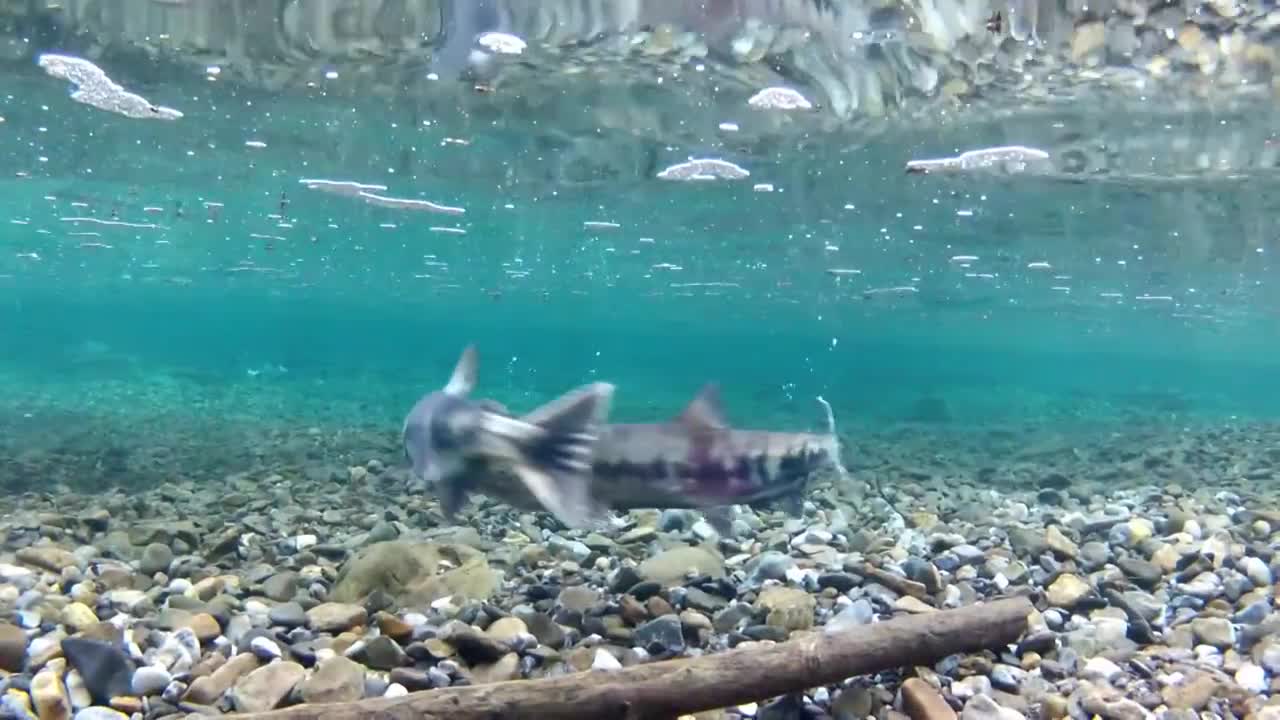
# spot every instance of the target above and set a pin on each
(555, 444)
(845, 478)
(835, 449)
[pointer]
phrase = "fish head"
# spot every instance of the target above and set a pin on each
(444, 425)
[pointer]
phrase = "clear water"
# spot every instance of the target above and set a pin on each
(1058, 366)
(173, 284)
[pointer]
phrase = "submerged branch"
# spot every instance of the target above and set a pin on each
(671, 688)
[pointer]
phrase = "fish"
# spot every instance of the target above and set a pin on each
(549, 450)
(692, 461)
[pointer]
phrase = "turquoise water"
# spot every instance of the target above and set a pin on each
(164, 275)
(1024, 249)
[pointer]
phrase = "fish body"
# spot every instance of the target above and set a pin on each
(549, 450)
(693, 461)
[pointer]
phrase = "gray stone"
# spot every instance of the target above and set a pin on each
(265, 688)
(156, 558)
(1143, 573)
(281, 586)
(382, 653)
(337, 679)
(768, 565)
(982, 707)
(968, 554)
(661, 636)
(150, 680)
(1214, 631)
(1095, 554)
(288, 614)
(702, 600)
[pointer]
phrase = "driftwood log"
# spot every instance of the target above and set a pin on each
(670, 688)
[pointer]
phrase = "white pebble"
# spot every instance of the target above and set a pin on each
(83, 592)
(1100, 667)
(1209, 654)
(77, 691)
(415, 619)
(1252, 678)
(970, 686)
(179, 585)
(265, 648)
(750, 709)
(1257, 571)
(256, 607)
(150, 680)
(17, 575)
(1192, 528)
(302, 542)
(604, 660)
(703, 530)
(795, 575)
(395, 690)
(127, 600)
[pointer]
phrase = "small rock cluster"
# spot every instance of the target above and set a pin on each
(1155, 598)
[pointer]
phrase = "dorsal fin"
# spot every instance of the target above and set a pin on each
(703, 413)
(463, 380)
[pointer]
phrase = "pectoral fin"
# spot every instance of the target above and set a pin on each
(567, 496)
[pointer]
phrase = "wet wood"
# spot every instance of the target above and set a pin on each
(671, 688)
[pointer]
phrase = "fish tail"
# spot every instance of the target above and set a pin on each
(845, 478)
(833, 437)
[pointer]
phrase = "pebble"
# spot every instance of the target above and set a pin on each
(265, 649)
(922, 701)
(156, 558)
(660, 636)
(1257, 571)
(982, 707)
(604, 660)
(13, 647)
(1101, 668)
(336, 617)
(100, 713)
(1252, 678)
(288, 614)
(337, 679)
(1067, 591)
(1218, 632)
(1061, 545)
(48, 695)
(150, 680)
(266, 688)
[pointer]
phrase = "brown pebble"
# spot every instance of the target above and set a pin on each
(923, 702)
(13, 647)
(205, 626)
(658, 607)
(127, 704)
(1053, 707)
(1030, 661)
(343, 642)
(632, 610)
(392, 626)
